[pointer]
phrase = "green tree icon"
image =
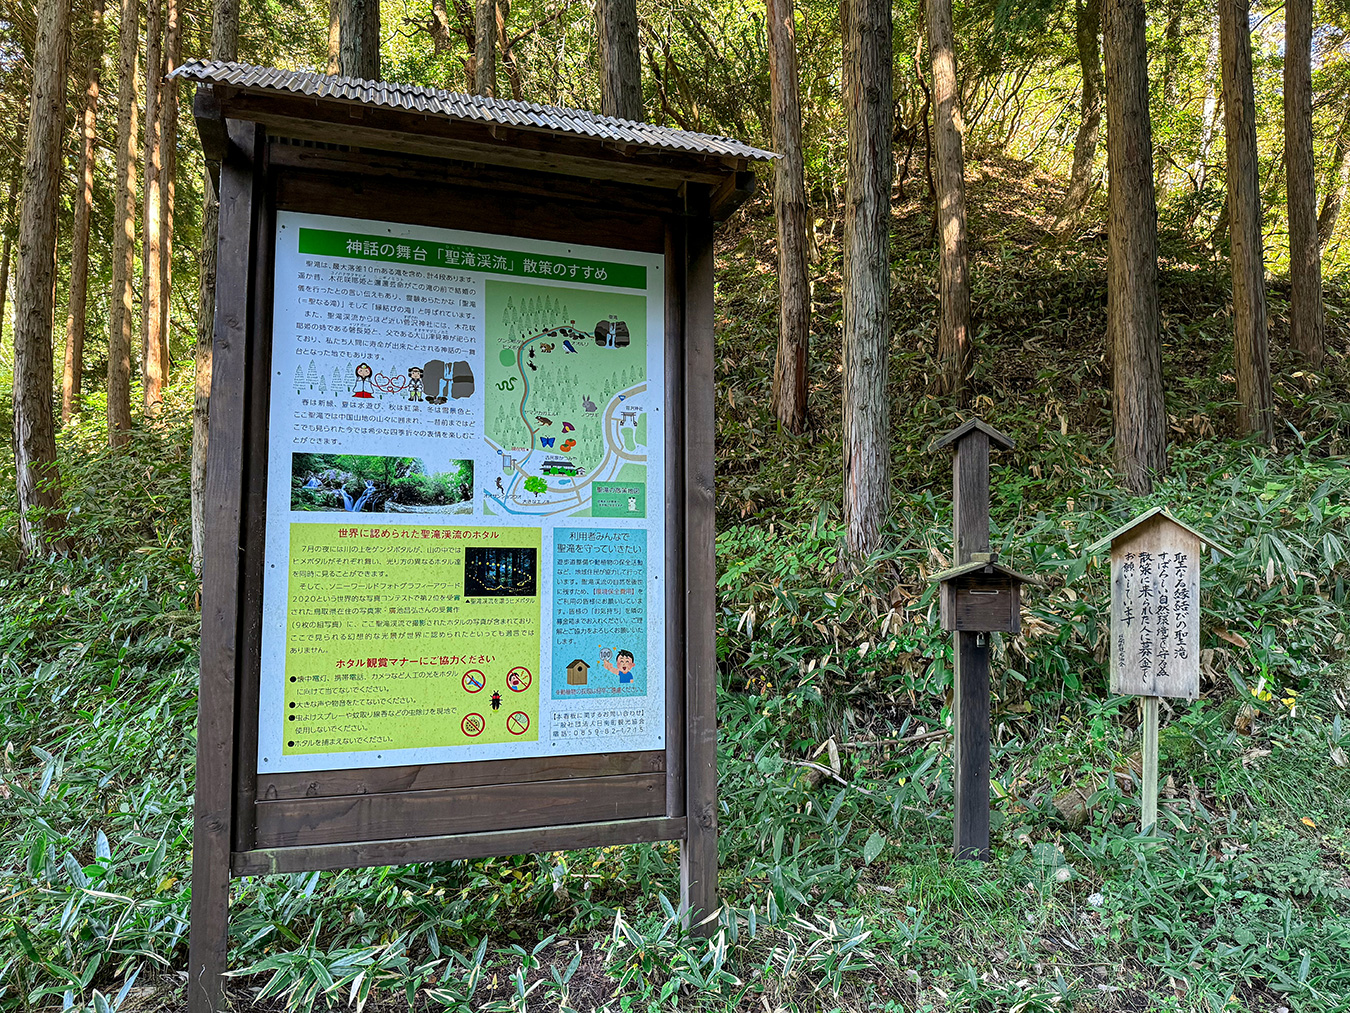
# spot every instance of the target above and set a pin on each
(536, 485)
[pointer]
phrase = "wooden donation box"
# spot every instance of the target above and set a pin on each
(982, 596)
(459, 577)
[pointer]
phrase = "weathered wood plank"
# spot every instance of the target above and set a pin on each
(376, 780)
(350, 818)
(391, 130)
(386, 199)
(370, 164)
(254, 477)
(698, 857)
(447, 848)
(970, 496)
(970, 721)
(674, 409)
(212, 801)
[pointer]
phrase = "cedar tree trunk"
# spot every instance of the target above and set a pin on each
(359, 39)
(1305, 252)
(867, 273)
(1331, 203)
(152, 252)
(1251, 345)
(620, 71)
(121, 315)
(77, 302)
(1132, 325)
(485, 48)
(1085, 143)
(39, 489)
(789, 205)
(224, 46)
(954, 344)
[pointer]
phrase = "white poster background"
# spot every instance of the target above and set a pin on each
(582, 723)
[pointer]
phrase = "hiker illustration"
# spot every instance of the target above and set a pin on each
(414, 383)
(622, 666)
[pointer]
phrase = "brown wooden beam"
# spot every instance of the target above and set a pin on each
(446, 848)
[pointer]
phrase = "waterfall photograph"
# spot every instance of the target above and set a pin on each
(360, 483)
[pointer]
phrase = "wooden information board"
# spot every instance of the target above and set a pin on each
(459, 577)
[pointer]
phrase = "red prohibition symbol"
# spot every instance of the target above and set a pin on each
(474, 680)
(472, 725)
(518, 723)
(518, 679)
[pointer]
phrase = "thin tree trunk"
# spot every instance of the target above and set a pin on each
(1251, 344)
(39, 488)
(359, 39)
(5, 252)
(168, 109)
(485, 48)
(1085, 143)
(620, 69)
(1331, 203)
(335, 36)
(77, 300)
(152, 252)
(1306, 328)
(224, 46)
(867, 273)
(953, 344)
(1172, 52)
(1132, 324)
(789, 204)
(121, 316)
(1209, 110)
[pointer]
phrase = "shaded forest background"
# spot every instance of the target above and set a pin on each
(834, 682)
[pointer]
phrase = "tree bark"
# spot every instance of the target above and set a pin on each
(224, 46)
(359, 39)
(867, 273)
(1132, 323)
(620, 69)
(77, 301)
(39, 488)
(485, 48)
(953, 344)
(121, 316)
(1172, 52)
(789, 205)
(1251, 344)
(152, 252)
(168, 178)
(1306, 328)
(1209, 111)
(1336, 185)
(1085, 143)
(335, 36)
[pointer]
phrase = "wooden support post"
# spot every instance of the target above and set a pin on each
(213, 816)
(970, 722)
(970, 693)
(698, 854)
(1149, 812)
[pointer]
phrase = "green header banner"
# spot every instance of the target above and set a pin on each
(420, 253)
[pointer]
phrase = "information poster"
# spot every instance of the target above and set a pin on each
(465, 526)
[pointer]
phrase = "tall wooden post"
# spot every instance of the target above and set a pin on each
(970, 693)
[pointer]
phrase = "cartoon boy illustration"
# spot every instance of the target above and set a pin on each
(363, 375)
(622, 667)
(414, 383)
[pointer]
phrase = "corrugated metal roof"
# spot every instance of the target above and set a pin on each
(433, 101)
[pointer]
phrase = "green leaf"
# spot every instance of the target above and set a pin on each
(874, 846)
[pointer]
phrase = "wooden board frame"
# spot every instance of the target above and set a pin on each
(247, 824)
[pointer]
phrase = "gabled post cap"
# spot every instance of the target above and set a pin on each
(996, 438)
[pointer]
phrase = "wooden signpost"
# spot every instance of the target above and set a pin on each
(459, 574)
(979, 596)
(1155, 623)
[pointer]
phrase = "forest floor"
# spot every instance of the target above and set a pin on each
(836, 797)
